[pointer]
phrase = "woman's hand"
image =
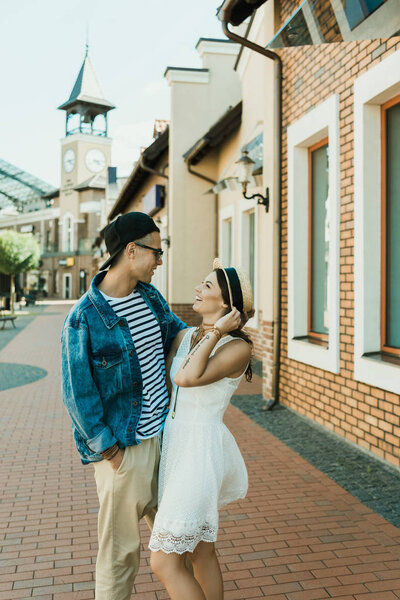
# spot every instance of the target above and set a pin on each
(229, 322)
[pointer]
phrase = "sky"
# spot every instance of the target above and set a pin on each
(42, 44)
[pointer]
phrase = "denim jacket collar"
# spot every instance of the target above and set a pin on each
(109, 316)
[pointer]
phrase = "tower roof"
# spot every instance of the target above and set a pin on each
(86, 89)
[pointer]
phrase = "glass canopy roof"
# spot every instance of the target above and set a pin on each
(21, 189)
(317, 22)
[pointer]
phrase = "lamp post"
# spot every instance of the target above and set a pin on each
(245, 171)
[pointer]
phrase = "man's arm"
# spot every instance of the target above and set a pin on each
(171, 355)
(80, 394)
(175, 325)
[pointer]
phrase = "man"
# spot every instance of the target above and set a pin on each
(114, 344)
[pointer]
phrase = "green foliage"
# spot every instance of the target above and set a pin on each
(19, 252)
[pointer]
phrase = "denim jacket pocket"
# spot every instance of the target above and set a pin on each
(106, 360)
(107, 372)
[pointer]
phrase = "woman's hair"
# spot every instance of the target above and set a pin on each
(237, 333)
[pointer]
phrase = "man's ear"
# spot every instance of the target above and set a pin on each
(131, 248)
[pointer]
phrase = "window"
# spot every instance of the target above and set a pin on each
(227, 236)
(68, 233)
(314, 237)
(248, 250)
(318, 241)
(82, 281)
(248, 241)
(358, 10)
(390, 247)
(376, 216)
(48, 246)
(227, 242)
(251, 222)
(55, 281)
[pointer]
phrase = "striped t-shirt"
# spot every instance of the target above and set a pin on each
(146, 335)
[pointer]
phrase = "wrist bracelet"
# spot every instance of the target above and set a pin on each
(110, 452)
(113, 454)
(217, 333)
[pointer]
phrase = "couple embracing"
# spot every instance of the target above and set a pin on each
(134, 373)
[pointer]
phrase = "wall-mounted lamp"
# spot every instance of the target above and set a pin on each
(245, 170)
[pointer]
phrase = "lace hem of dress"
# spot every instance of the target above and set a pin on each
(168, 542)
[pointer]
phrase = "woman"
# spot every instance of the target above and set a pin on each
(201, 467)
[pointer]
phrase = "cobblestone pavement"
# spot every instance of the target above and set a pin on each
(377, 485)
(23, 319)
(13, 375)
(297, 536)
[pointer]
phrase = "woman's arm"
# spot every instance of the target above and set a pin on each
(199, 369)
(171, 355)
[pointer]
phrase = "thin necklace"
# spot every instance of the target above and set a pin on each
(199, 332)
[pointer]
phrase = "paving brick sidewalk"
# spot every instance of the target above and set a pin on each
(297, 536)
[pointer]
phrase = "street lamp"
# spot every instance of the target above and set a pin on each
(245, 171)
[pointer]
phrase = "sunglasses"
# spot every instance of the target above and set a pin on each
(157, 251)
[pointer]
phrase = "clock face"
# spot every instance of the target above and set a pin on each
(69, 160)
(95, 160)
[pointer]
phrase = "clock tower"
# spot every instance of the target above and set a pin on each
(85, 157)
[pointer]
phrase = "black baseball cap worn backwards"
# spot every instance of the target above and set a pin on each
(126, 228)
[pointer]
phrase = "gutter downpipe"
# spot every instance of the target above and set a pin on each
(225, 12)
(153, 171)
(190, 169)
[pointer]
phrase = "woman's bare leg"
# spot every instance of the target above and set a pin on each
(171, 571)
(207, 570)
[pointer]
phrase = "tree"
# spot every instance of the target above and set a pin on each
(19, 253)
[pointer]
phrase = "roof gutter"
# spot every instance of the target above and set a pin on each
(145, 167)
(225, 13)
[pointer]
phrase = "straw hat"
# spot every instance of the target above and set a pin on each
(239, 286)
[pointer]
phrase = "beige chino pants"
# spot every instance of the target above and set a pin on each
(125, 496)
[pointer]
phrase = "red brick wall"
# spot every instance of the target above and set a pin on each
(368, 416)
(262, 338)
(186, 313)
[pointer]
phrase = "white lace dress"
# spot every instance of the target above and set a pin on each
(201, 468)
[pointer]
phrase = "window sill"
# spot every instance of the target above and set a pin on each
(312, 340)
(315, 352)
(384, 357)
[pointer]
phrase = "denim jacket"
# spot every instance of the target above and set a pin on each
(101, 378)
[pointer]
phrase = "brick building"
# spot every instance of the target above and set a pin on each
(337, 198)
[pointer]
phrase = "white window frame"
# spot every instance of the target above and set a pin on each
(372, 89)
(317, 124)
(245, 207)
(64, 291)
(68, 217)
(226, 213)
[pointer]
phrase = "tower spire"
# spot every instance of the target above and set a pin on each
(87, 40)
(86, 101)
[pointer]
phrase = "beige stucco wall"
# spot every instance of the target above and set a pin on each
(135, 203)
(197, 102)
(256, 74)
